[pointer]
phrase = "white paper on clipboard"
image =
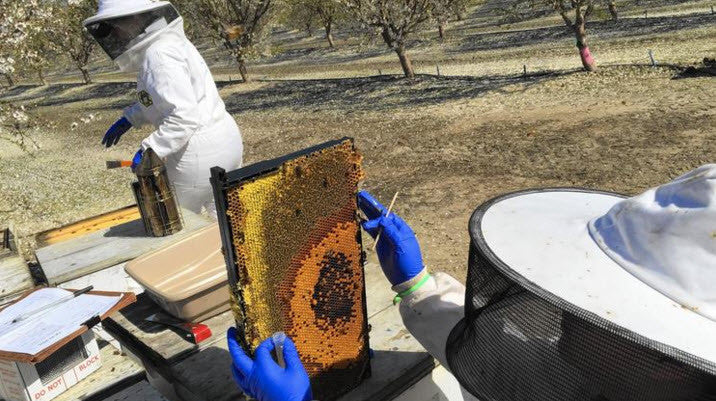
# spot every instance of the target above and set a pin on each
(43, 330)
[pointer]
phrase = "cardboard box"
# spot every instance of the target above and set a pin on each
(46, 380)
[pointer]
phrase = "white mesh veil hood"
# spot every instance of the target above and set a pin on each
(132, 59)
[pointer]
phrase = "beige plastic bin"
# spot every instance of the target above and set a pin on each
(188, 278)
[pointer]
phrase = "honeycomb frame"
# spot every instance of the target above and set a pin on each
(292, 244)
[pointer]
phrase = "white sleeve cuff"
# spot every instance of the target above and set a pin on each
(135, 115)
(405, 286)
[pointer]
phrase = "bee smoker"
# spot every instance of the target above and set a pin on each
(155, 197)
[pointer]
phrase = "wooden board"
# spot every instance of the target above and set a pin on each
(141, 391)
(202, 372)
(200, 379)
(399, 362)
(439, 385)
(77, 257)
(157, 343)
(117, 368)
(87, 226)
(15, 276)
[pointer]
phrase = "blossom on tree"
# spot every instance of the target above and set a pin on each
(19, 20)
(15, 125)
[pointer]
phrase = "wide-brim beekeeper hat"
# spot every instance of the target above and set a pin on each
(576, 294)
(109, 9)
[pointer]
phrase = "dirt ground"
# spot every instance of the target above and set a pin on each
(446, 143)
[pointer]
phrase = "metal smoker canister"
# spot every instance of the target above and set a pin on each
(155, 197)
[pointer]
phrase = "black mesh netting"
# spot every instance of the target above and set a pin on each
(519, 342)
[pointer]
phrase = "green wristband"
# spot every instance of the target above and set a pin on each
(411, 290)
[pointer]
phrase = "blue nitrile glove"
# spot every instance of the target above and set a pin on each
(137, 159)
(262, 378)
(116, 131)
(398, 249)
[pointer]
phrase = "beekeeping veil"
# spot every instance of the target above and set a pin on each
(586, 295)
(124, 28)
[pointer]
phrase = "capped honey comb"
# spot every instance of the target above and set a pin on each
(294, 256)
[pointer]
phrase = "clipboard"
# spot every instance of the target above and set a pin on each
(127, 298)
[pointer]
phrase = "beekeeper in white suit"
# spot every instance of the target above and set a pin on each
(572, 295)
(175, 93)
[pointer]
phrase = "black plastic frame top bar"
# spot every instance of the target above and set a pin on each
(263, 167)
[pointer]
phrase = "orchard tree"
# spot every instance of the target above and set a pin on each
(327, 12)
(35, 55)
(194, 25)
(441, 13)
(612, 6)
(395, 20)
(575, 14)
(239, 24)
(19, 21)
(444, 10)
(68, 34)
(7, 69)
(294, 15)
(459, 8)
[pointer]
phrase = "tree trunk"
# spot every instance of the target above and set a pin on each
(85, 75)
(41, 76)
(405, 62)
(613, 10)
(9, 79)
(243, 70)
(586, 56)
(441, 30)
(329, 35)
(309, 30)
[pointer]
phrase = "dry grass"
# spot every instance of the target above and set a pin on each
(447, 144)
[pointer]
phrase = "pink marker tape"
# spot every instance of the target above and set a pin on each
(586, 55)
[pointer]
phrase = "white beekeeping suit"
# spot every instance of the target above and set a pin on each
(431, 312)
(176, 94)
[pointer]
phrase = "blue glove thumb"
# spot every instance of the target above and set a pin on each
(398, 249)
(137, 159)
(116, 131)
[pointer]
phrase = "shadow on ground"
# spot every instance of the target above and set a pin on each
(373, 93)
(321, 55)
(627, 27)
(61, 94)
(707, 68)
(349, 94)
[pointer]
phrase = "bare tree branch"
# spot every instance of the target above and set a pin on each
(239, 24)
(397, 20)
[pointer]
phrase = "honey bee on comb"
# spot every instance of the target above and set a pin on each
(295, 260)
